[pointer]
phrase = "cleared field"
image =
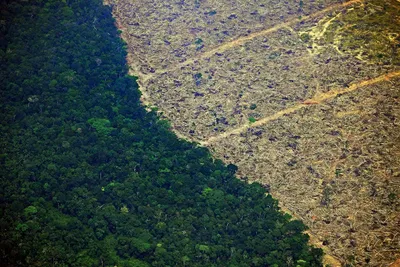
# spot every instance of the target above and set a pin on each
(169, 32)
(335, 165)
(303, 96)
(254, 81)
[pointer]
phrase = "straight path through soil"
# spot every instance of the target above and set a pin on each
(241, 40)
(317, 99)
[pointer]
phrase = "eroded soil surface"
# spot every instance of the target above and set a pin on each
(304, 96)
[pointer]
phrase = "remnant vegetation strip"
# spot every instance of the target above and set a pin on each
(317, 99)
(244, 39)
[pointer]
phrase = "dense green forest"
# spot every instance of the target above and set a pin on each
(89, 178)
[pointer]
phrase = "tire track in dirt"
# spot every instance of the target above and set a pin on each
(317, 99)
(241, 40)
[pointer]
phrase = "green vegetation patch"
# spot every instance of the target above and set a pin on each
(252, 120)
(102, 126)
(369, 32)
(89, 178)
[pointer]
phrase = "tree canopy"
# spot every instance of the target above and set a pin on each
(89, 178)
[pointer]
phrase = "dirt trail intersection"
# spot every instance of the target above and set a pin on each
(304, 96)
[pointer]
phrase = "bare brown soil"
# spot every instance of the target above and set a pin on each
(301, 95)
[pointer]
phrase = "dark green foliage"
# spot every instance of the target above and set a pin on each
(102, 126)
(88, 178)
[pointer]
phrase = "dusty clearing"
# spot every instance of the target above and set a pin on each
(304, 96)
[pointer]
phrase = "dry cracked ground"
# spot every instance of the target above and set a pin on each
(304, 96)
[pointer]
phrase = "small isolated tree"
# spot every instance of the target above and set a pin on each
(252, 120)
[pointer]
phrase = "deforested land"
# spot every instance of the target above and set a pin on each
(88, 177)
(302, 95)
